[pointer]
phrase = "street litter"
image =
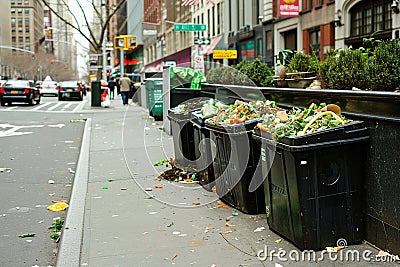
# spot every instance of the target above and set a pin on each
(278, 240)
(161, 162)
(222, 206)
(158, 186)
(259, 229)
(61, 200)
(77, 120)
(5, 169)
(149, 189)
(59, 206)
(176, 233)
(71, 170)
(235, 213)
(124, 188)
(56, 227)
(105, 187)
(27, 235)
(51, 181)
(333, 249)
(152, 212)
(196, 203)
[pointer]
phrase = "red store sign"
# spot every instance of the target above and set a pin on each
(288, 8)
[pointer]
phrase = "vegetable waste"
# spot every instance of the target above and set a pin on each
(298, 122)
(241, 112)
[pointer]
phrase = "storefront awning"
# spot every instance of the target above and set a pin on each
(209, 48)
(153, 67)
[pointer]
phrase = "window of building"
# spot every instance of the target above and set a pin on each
(19, 29)
(213, 21)
(26, 29)
(19, 10)
(13, 20)
(13, 29)
(219, 15)
(12, 10)
(19, 2)
(28, 47)
(26, 2)
(26, 11)
(19, 21)
(27, 39)
(315, 40)
(14, 39)
(20, 39)
(370, 16)
(319, 3)
(12, 2)
(27, 21)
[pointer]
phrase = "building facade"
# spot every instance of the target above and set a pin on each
(5, 39)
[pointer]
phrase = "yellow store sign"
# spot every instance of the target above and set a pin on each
(220, 54)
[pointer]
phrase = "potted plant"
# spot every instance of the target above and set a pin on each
(302, 70)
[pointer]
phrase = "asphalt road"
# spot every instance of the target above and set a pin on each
(38, 147)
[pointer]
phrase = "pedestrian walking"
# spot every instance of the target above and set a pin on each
(117, 84)
(125, 84)
(111, 86)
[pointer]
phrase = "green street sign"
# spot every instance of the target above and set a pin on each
(190, 27)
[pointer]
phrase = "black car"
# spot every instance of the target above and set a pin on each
(19, 91)
(70, 89)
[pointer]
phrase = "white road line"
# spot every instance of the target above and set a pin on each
(80, 106)
(68, 105)
(41, 106)
(55, 106)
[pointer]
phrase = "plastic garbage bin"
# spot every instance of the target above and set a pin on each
(96, 94)
(154, 97)
(236, 157)
(202, 150)
(313, 188)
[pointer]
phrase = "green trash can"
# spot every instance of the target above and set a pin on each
(154, 97)
(96, 94)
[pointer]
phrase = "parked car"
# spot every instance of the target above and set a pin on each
(49, 88)
(19, 91)
(70, 89)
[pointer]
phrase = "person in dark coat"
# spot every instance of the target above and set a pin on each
(111, 86)
(118, 86)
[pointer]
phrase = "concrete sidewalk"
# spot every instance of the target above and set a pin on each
(122, 224)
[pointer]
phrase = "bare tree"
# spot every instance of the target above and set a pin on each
(95, 41)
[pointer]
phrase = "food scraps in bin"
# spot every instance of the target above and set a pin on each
(298, 122)
(241, 112)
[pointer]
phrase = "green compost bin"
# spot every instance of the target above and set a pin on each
(154, 97)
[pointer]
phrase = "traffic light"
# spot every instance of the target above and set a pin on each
(33, 56)
(47, 33)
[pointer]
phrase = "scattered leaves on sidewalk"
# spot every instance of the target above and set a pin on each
(159, 186)
(278, 240)
(222, 206)
(27, 235)
(59, 206)
(196, 203)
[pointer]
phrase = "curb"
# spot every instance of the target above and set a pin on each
(71, 238)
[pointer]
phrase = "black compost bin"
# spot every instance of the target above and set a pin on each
(202, 150)
(236, 157)
(313, 188)
(183, 138)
